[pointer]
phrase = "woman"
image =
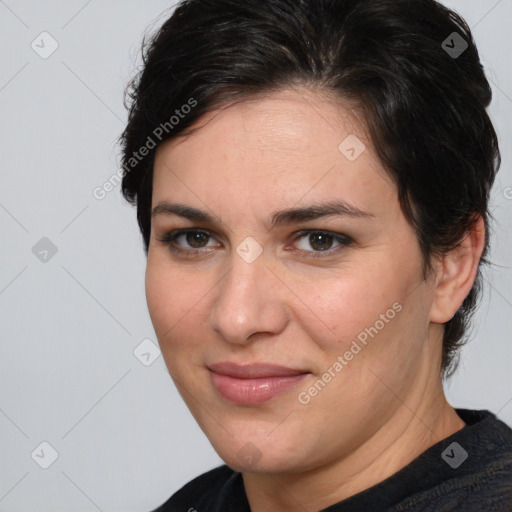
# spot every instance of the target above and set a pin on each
(312, 182)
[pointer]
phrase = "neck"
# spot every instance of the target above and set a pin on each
(420, 422)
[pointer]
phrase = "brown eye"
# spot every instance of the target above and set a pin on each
(320, 241)
(189, 242)
(314, 243)
(196, 239)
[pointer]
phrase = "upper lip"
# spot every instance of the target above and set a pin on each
(254, 370)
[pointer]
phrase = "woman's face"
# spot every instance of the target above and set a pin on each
(299, 257)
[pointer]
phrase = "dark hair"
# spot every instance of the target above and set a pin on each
(423, 95)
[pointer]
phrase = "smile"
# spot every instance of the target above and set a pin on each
(253, 384)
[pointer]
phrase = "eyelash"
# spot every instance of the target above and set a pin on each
(170, 237)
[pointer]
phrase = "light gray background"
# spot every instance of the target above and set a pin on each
(69, 327)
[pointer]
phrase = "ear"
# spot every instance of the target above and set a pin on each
(456, 272)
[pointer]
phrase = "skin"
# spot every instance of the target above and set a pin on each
(387, 405)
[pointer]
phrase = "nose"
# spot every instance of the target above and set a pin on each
(249, 300)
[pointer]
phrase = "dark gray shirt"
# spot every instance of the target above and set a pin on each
(470, 471)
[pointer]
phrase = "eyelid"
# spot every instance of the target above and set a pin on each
(169, 236)
(342, 239)
(334, 234)
(168, 240)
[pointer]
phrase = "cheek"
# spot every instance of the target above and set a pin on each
(174, 300)
(347, 304)
(372, 305)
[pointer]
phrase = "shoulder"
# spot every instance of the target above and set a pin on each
(203, 492)
(474, 468)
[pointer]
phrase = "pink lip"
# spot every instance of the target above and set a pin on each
(254, 383)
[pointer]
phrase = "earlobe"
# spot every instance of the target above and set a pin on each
(456, 272)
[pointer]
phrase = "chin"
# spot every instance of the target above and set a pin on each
(258, 453)
(262, 465)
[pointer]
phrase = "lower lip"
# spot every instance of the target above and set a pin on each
(253, 391)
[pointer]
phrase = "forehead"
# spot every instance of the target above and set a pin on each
(282, 147)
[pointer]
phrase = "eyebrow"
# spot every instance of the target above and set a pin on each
(338, 208)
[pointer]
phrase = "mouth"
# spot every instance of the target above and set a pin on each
(253, 383)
